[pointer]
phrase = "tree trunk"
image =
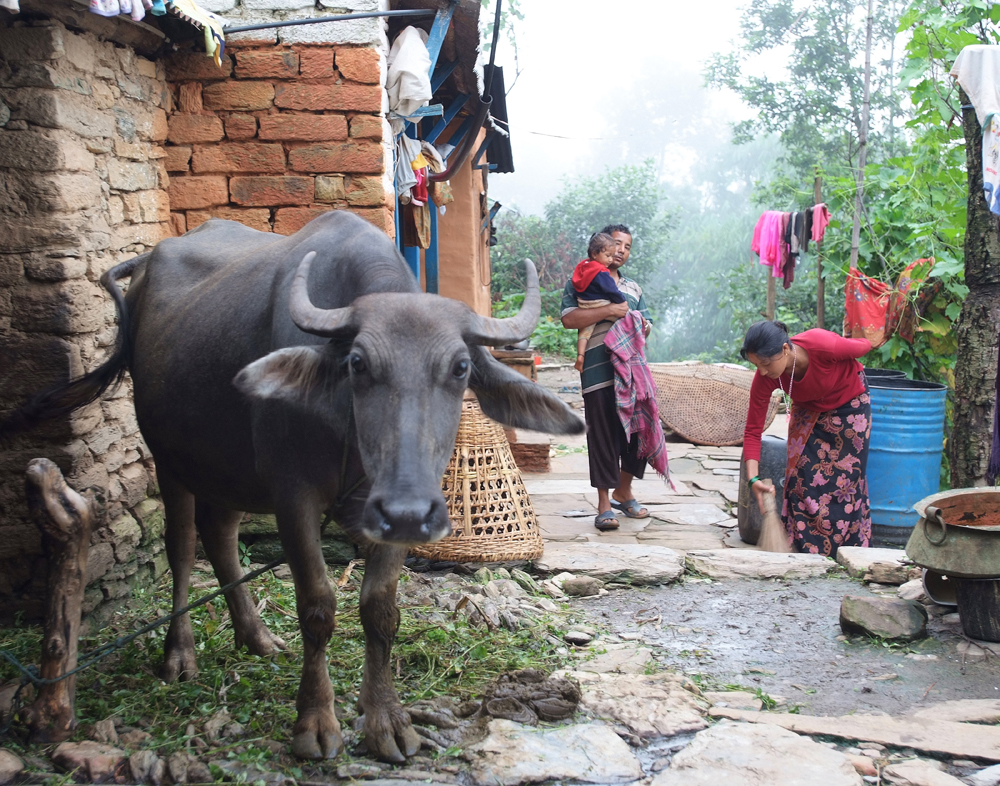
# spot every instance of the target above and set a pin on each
(64, 517)
(978, 326)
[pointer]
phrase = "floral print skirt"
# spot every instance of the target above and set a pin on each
(826, 489)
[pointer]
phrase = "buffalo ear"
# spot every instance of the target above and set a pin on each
(290, 374)
(514, 400)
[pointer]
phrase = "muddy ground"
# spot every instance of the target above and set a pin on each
(783, 637)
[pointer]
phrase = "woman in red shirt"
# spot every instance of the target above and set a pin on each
(826, 491)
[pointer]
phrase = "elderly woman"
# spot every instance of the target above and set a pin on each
(826, 491)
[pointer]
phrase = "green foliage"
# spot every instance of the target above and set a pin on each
(447, 657)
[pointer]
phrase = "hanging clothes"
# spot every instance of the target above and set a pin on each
(11, 5)
(408, 80)
(820, 218)
(875, 310)
(805, 230)
(787, 260)
(977, 70)
(768, 239)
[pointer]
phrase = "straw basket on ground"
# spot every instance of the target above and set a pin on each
(488, 505)
(706, 403)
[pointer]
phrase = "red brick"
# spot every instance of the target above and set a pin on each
(178, 159)
(255, 218)
(189, 97)
(178, 224)
(304, 128)
(241, 127)
(197, 67)
(239, 157)
(340, 98)
(359, 65)
(191, 193)
(185, 129)
(289, 220)
(271, 191)
(254, 64)
(365, 157)
(365, 191)
(366, 127)
(316, 63)
(379, 216)
(238, 96)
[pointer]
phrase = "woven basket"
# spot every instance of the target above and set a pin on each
(487, 503)
(706, 404)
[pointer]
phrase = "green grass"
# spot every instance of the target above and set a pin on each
(429, 658)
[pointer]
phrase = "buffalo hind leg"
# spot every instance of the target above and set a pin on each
(219, 529)
(389, 733)
(179, 536)
(316, 734)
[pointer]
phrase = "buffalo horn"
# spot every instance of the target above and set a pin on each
(308, 318)
(500, 332)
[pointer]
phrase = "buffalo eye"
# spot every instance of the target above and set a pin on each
(358, 364)
(461, 369)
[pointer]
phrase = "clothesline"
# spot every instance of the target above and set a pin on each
(779, 238)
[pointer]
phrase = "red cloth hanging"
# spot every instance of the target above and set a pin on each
(874, 309)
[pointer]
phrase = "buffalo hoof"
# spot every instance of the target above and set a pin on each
(179, 665)
(317, 736)
(261, 642)
(390, 736)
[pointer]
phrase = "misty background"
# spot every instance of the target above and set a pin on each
(589, 91)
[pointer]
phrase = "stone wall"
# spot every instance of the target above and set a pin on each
(83, 187)
(290, 127)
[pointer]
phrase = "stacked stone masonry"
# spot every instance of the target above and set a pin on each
(278, 135)
(84, 187)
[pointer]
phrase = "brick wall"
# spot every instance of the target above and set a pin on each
(83, 186)
(278, 135)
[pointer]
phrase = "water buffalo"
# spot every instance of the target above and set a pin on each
(302, 375)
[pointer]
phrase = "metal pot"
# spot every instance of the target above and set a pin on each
(958, 533)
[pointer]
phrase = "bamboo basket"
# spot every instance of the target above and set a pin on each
(489, 508)
(706, 404)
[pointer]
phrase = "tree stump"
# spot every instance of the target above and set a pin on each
(64, 518)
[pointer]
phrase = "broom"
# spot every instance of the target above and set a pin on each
(772, 532)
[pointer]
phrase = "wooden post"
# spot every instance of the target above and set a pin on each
(64, 518)
(820, 284)
(770, 294)
(862, 143)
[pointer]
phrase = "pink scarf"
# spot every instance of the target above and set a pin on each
(635, 392)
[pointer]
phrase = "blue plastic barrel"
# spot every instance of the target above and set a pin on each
(882, 373)
(904, 460)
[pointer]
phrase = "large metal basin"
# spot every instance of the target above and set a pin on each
(958, 533)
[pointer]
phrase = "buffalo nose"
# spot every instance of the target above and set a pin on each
(411, 520)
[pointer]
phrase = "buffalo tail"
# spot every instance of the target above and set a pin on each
(63, 399)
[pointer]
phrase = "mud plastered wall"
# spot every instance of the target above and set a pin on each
(290, 127)
(83, 187)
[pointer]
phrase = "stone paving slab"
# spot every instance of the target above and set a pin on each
(961, 740)
(857, 560)
(639, 564)
(681, 537)
(754, 564)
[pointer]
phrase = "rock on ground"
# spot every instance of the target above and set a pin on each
(582, 586)
(622, 658)
(919, 772)
(741, 754)
(650, 705)
(988, 777)
(513, 754)
(753, 564)
(613, 562)
(912, 590)
(963, 711)
(147, 767)
(737, 699)
(10, 766)
(858, 560)
(894, 619)
(97, 761)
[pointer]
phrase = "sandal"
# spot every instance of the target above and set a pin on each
(606, 521)
(632, 509)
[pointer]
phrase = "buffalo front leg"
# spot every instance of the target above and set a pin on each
(388, 731)
(219, 529)
(316, 734)
(179, 537)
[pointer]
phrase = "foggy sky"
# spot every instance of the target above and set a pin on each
(623, 86)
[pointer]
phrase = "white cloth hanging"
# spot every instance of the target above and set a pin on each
(977, 69)
(408, 81)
